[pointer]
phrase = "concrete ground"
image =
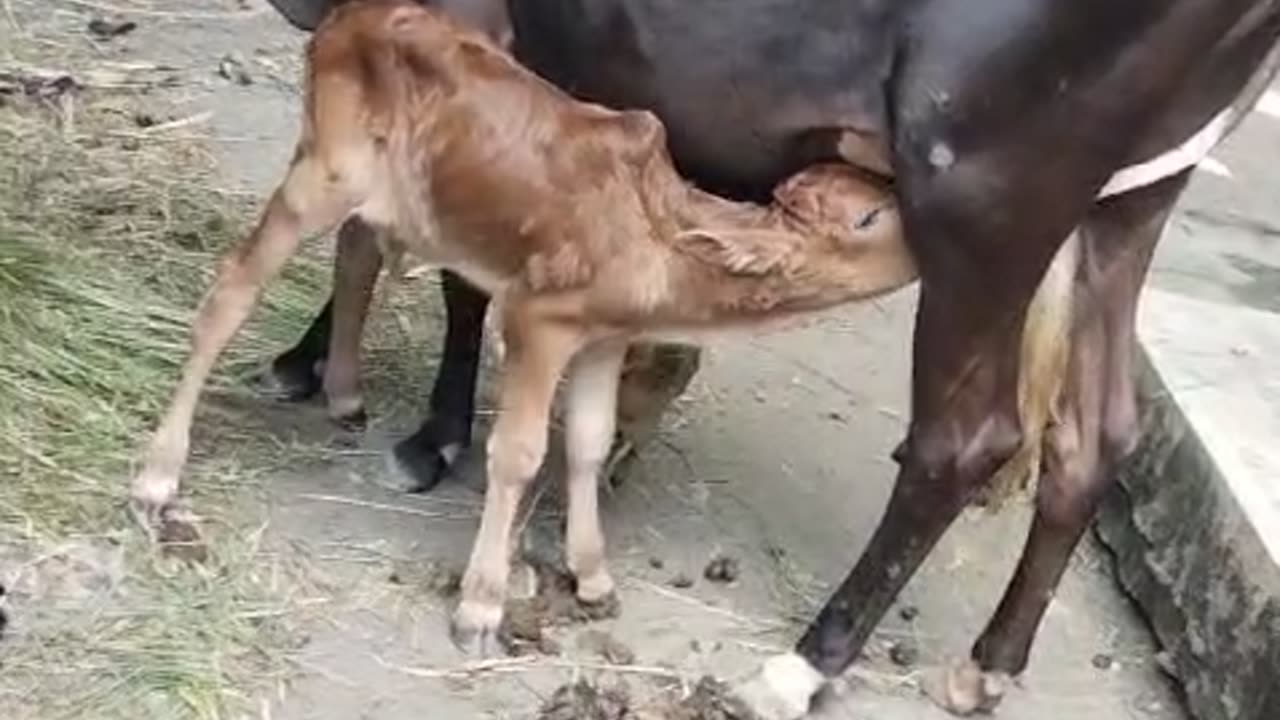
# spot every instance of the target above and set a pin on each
(1210, 314)
(1195, 518)
(779, 457)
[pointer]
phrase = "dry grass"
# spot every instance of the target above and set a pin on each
(108, 235)
(106, 243)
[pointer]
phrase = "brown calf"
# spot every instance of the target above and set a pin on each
(569, 214)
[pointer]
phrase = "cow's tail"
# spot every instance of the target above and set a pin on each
(1046, 345)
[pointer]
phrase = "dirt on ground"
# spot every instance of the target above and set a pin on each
(710, 699)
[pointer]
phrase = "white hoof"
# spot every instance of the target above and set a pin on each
(964, 689)
(595, 588)
(153, 489)
(474, 630)
(783, 688)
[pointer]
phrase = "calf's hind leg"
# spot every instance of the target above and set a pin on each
(653, 376)
(356, 267)
(423, 458)
(305, 203)
(298, 373)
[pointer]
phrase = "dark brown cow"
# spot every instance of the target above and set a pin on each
(1001, 122)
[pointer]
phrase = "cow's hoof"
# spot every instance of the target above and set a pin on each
(4, 619)
(782, 689)
(417, 467)
(474, 630)
(964, 689)
(422, 460)
(290, 379)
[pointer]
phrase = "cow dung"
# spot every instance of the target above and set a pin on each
(710, 700)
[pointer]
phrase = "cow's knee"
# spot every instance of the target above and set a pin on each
(957, 463)
(1121, 428)
(1071, 483)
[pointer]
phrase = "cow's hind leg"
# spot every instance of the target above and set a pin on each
(297, 374)
(983, 224)
(422, 459)
(964, 426)
(1096, 428)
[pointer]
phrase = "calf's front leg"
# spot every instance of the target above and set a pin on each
(592, 402)
(537, 353)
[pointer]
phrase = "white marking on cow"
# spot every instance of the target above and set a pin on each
(1269, 104)
(782, 689)
(1215, 166)
(1188, 154)
(941, 156)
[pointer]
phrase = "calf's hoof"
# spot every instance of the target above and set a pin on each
(290, 379)
(179, 537)
(597, 597)
(783, 688)
(474, 630)
(965, 688)
(604, 607)
(172, 529)
(523, 582)
(153, 493)
(354, 422)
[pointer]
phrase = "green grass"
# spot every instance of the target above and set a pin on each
(106, 244)
(109, 234)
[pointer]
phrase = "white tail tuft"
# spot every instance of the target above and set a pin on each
(1046, 347)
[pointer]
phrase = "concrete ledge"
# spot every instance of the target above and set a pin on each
(1194, 520)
